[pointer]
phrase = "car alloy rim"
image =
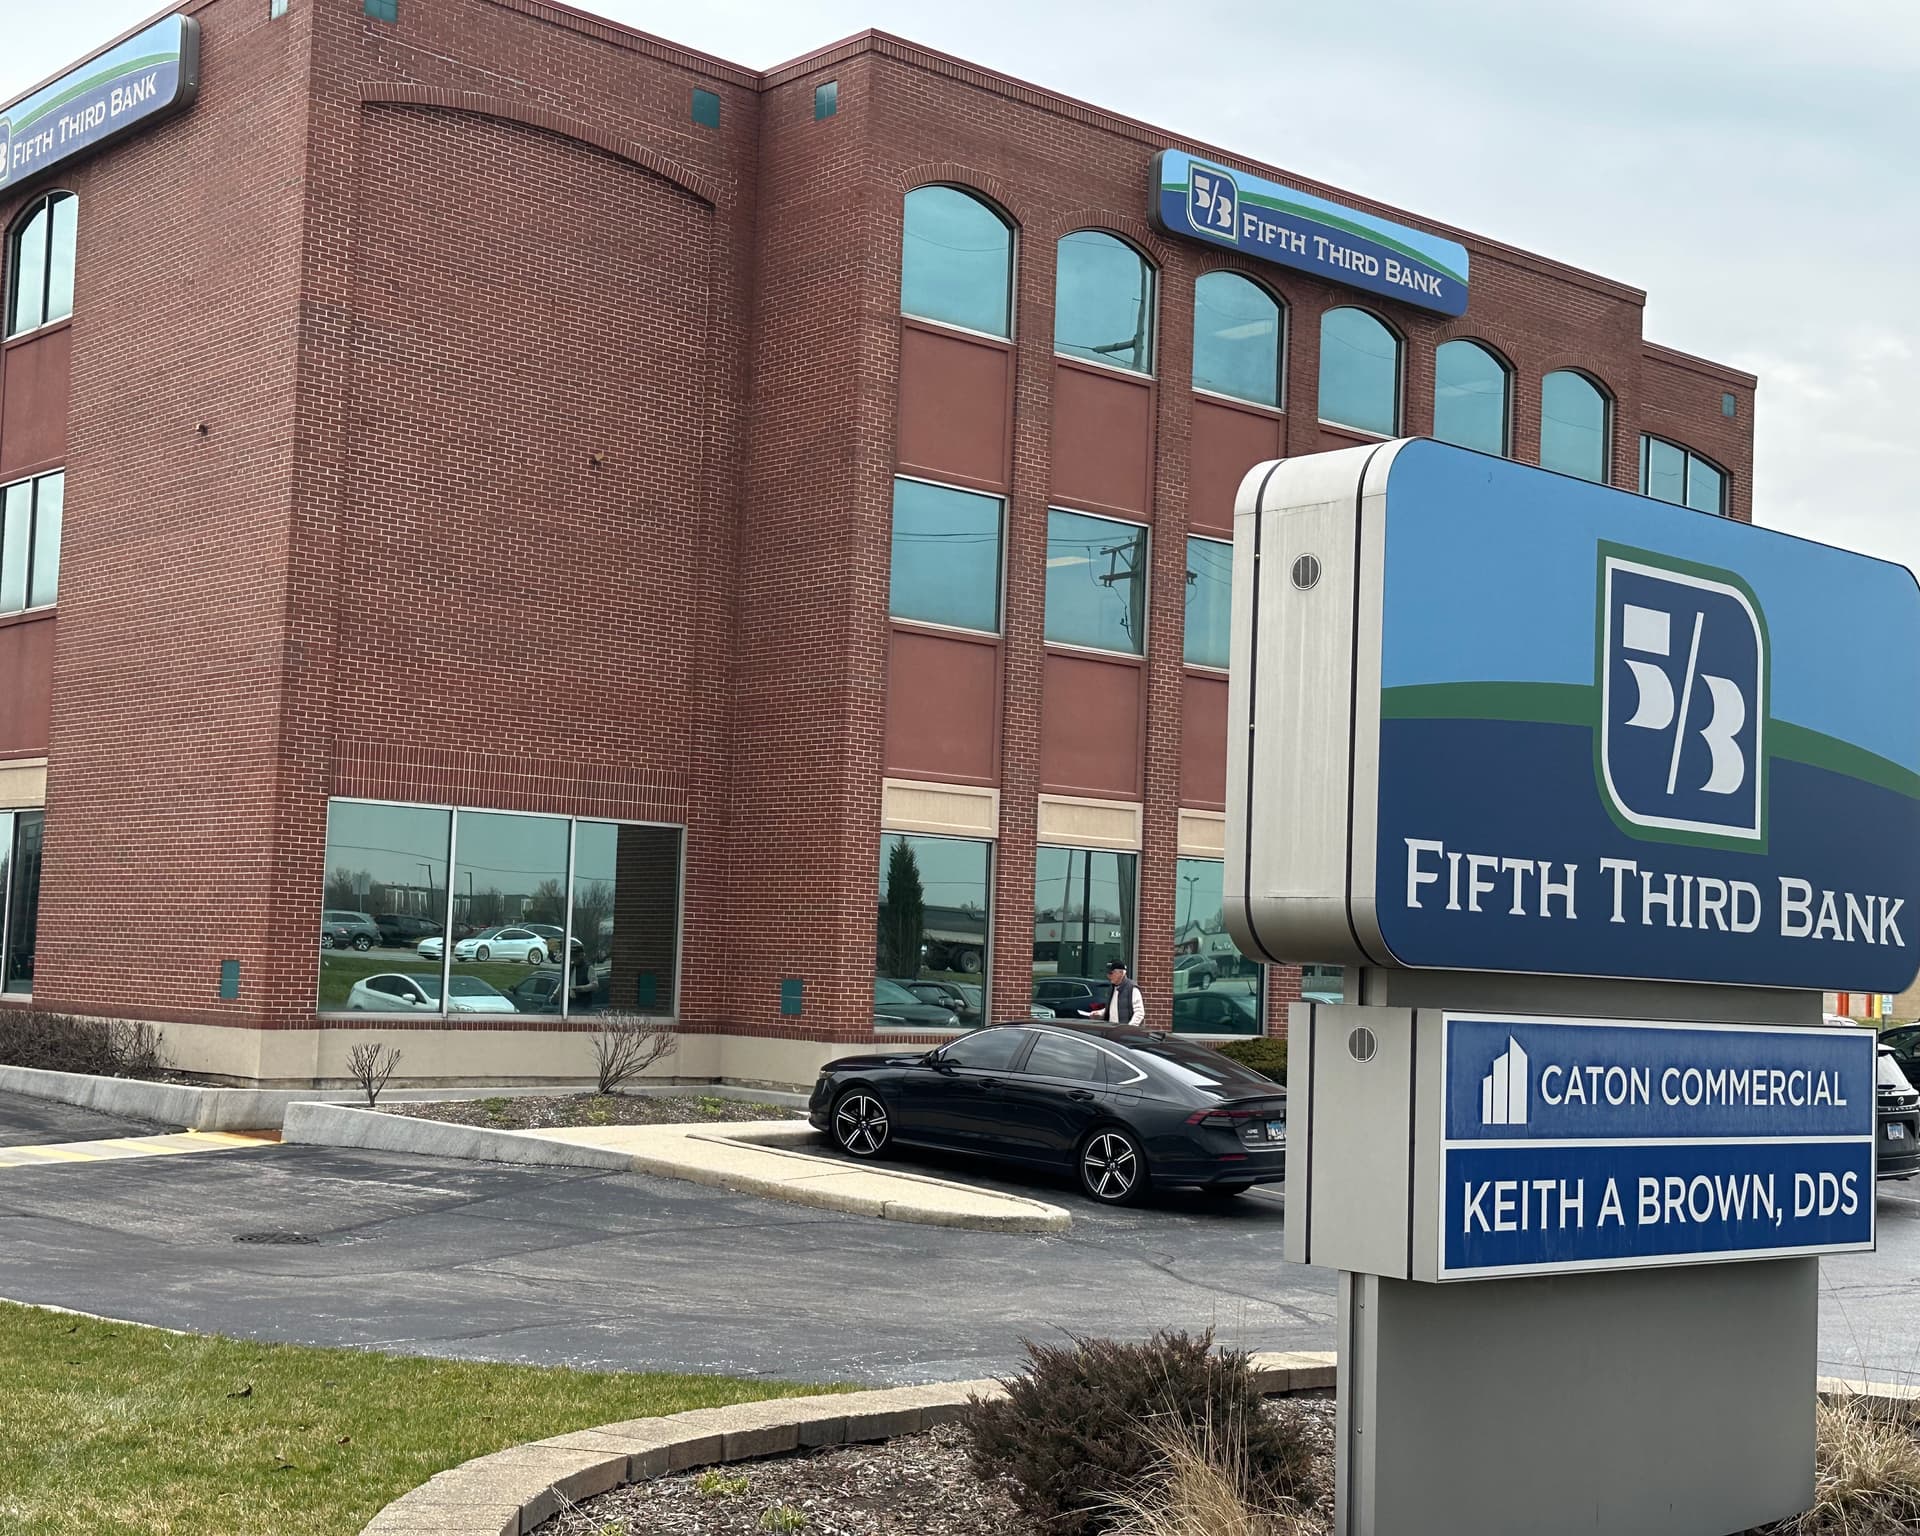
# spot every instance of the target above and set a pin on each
(860, 1124)
(1110, 1166)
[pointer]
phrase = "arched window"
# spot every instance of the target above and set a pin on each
(1669, 472)
(1103, 301)
(1236, 338)
(40, 262)
(956, 261)
(1472, 396)
(1575, 433)
(1359, 372)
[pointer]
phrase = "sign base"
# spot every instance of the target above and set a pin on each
(1672, 1402)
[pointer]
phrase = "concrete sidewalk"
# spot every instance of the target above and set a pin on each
(749, 1157)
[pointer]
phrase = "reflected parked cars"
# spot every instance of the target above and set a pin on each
(1071, 996)
(1215, 1013)
(492, 944)
(403, 930)
(944, 994)
(540, 992)
(398, 992)
(348, 930)
(1122, 1109)
(1194, 972)
(891, 1000)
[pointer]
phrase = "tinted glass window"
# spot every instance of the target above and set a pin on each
(1060, 1056)
(1706, 486)
(1470, 397)
(1083, 914)
(935, 896)
(379, 857)
(1663, 471)
(1103, 301)
(1209, 602)
(40, 258)
(1216, 989)
(1573, 426)
(1236, 338)
(946, 556)
(1096, 582)
(992, 1050)
(1202, 1067)
(956, 261)
(1359, 372)
(23, 901)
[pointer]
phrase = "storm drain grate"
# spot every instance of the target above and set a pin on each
(274, 1237)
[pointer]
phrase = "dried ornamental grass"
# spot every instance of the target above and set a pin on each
(1201, 1486)
(1866, 1474)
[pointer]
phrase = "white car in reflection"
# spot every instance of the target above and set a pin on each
(410, 992)
(491, 944)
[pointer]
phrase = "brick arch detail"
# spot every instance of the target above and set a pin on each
(504, 109)
(1153, 245)
(952, 174)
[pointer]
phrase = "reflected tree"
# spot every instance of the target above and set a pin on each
(903, 914)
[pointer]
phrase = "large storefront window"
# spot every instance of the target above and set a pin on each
(932, 934)
(1083, 915)
(1216, 989)
(433, 911)
(21, 876)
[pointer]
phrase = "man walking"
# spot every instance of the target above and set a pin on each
(1124, 1004)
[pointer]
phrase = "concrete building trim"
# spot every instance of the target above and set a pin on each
(939, 810)
(1075, 821)
(399, 94)
(1203, 834)
(23, 784)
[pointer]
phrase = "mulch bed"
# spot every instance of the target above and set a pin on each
(919, 1484)
(541, 1112)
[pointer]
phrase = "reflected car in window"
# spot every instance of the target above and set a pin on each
(896, 1002)
(419, 992)
(1121, 1109)
(1215, 1013)
(945, 994)
(492, 944)
(403, 930)
(348, 930)
(1071, 997)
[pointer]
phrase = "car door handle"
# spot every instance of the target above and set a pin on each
(988, 1082)
(1081, 1095)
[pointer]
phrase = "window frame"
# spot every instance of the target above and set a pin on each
(1000, 593)
(1399, 377)
(1151, 338)
(447, 940)
(1205, 666)
(1609, 411)
(1146, 594)
(1129, 942)
(990, 953)
(9, 290)
(1013, 266)
(1507, 375)
(33, 539)
(1262, 970)
(1688, 458)
(1282, 344)
(10, 851)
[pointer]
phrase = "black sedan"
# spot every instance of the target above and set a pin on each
(1122, 1109)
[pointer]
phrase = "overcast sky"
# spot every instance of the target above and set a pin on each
(1749, 163)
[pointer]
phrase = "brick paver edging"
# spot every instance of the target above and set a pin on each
(513, 1491)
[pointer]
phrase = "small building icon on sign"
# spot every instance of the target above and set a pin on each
(1503, 1091)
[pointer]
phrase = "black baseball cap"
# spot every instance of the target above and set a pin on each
(1117, 965)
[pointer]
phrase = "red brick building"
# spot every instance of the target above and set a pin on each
(476, 466)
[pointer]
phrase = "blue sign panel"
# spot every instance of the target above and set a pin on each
(1265, 220)
(1617, 738)
(1590, 1144)
(152, 73)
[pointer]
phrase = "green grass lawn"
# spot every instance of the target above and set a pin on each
(113, 1430)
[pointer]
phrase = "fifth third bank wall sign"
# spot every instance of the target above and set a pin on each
(1585, 1144)
(1486, 717)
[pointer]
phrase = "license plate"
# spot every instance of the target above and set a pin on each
(1896, 1131)
(1276, 1130)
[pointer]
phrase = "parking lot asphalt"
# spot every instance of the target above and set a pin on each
(27, 1122)
(552, 1266)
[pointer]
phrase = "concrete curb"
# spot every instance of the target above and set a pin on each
(255, 1109)
(514, 1491)
(753, 1158)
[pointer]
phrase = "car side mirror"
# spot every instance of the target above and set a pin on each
(938, 1062)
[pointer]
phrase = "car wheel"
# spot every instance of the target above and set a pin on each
(1223, 1191)
(970, 962)
(1113, 1169)
(534, 957)
(482, 953)
(1203, 981)
(326, 941)
(860, 1124)
(362, 943)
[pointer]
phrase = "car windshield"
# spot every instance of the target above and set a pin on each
(1890, 1074)
(488, 933)
(892, 992)
(472, 986)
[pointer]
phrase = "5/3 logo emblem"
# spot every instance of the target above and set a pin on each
(1683, 689)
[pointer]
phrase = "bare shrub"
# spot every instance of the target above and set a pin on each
(134, 1047)
(370, 1065)
(626, 1044)
(1866, 1473)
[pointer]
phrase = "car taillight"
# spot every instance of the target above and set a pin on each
(1229, 1118)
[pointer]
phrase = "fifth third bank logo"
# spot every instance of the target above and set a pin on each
(1503, 1091)
(1683, 681)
